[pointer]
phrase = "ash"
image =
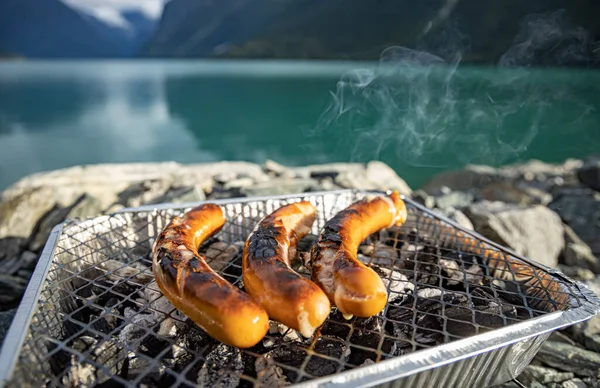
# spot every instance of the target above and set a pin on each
(129, 332)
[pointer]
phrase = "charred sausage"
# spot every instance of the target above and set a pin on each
(182, 274)
(354, 288)
(287, 296)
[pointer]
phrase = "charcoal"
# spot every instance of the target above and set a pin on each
(219, 254)
(335, 329)
(100, 324)
(291, 356)
(222, 368)
(133, 272)
(320, 366)
(396, 283)
(268, 374)
(101, 353)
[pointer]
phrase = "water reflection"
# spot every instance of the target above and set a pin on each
(101, 119)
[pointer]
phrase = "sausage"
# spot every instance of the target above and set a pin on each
(287, 296)
(354, 288)
(539, 286)
(225, 312)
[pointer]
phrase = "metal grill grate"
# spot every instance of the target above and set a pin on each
(101, 318)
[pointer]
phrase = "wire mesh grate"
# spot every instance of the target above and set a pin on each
(101, 318)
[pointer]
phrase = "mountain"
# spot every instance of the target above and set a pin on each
(52, 29)
(535, 31)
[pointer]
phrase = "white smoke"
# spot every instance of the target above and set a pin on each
(420, 106)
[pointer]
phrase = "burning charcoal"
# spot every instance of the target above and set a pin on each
(430, 293)
(219, 254)
(268, 374)
(394, 281)
(379, 254)
(135, 271)
(101, 353)
(136, 329)
(318, 366)
(288, 355)
(100, 324)
(287, 333)
(335, 329)
(368, 340)
(222, 368)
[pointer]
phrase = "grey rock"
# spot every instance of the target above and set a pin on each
(423, 198)
(574, 383)
(278, 186)
(577, 273)
(83, 206)
(6, 318)
(505, 192)
(275, 169)
(457, 216)
(10, 247)
(26, 261)
(455, 199)
(544, 375)
(589, 173)
(385, 178)
(478, 176)
(238, 183)
(180, 195)
(11, 291)
(535, 231)
(578, 253)
(570, 358)
(580, 209)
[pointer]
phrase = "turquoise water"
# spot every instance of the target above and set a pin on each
(420, 120)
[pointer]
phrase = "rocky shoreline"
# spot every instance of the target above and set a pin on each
(548, 212)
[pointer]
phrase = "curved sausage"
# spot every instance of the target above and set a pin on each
(539, 286)
(182, 274)
(287, 296)
(354, 288)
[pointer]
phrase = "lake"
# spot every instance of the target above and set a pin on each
(419, 119)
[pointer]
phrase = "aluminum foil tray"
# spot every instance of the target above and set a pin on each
(92, 314)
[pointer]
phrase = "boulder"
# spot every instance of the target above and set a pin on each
(580, 209)
(577, 253)
(535, 231)
(589, 173)
(478, 176)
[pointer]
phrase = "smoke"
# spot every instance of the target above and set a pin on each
(416, 106)
(551, 39)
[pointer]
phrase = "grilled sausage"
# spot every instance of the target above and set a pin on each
(287, 296)
(182, 274)
(353, 287)
(538, 285)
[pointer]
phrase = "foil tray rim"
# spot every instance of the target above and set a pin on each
(381, 372)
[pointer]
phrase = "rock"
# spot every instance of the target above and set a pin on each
(577, 273)
(275, 169)
(589, 173)
(238, 183)
(6, 318)
(180, 195)
(278, 186)
(457, 216)
(385, 178)
(570, 358)
(543, 375)
(11, 291)
(574, 383)
(20, 213)
(455, 199)
(535, 232)
(504, 192)
(423, 198)
(10, 247)
(26, 261)
(577, 253)
(478, 176)
(83, 206)
(580, 209)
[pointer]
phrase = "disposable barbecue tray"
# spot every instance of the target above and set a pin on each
(92, 314)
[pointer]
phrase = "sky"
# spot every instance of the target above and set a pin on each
(109, 10)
